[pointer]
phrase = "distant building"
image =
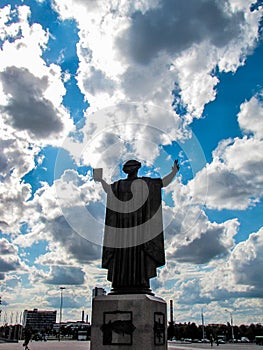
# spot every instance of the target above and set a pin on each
(98, 291)
(39, 320)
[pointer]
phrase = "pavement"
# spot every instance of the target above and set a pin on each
(48, 345)
(78, 345)
(200, 346)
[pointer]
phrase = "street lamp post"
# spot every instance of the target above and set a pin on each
(0, 307)
(232, 326)
(203, 324)
(61, 307)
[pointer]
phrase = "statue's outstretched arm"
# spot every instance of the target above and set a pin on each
(169, 177)
(105, 186)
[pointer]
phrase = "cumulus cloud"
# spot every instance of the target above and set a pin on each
(226, 282)
(152, 83)
(9, 260)
(31, 104)
(20, 40)
(62, 275)
(60, 215)
(251, 115)
(12, 282)
(191, 237)
(191, 293)
(236, 277)
(176, 26)
(209, 246)
(78, 247)
(234, 176)
(140, 50)
(134, 50)
(58, 256)
(118, 132)
(27, 109)
(30, 91)
(98, 82)
(13, 196)
(7, 248)
(246, 262)
(17, 159)
(70, 302)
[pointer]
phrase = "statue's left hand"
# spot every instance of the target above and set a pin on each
(176, 166)
(169, 177)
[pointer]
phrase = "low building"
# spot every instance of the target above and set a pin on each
(98, 291)
(39, 320)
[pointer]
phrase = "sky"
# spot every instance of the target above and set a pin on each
(92, 83)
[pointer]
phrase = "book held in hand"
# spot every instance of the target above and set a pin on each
(97, 173)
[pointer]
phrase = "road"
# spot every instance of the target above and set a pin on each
(194, 346)
(78, 345)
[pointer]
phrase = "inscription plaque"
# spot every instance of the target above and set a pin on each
(117, 328)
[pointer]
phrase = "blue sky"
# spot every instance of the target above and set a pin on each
(92, 84)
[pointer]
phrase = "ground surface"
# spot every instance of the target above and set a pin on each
(78, 345)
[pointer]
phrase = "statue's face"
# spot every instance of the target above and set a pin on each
(130, 169)
(132, 166)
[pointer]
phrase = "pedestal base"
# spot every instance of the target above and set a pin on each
(130, 321)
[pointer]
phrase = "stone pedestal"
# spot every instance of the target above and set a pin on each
(129, 321)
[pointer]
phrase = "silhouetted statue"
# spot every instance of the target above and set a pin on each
(133, 239)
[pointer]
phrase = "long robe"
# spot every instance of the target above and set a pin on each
(133, 238)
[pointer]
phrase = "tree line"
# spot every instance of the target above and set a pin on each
(192, 331)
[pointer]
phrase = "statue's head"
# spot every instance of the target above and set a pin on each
(130, 166)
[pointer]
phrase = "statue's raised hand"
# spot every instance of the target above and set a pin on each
(176, 166)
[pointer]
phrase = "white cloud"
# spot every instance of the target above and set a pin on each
(28, 42)
(142, 48)
(239, 275)
(60, 215)
(174, 27)
(12, 282)
(7, 248)
(250, 117)
(116, 133)
(31, 96)
(13, 196)
(9, 260)
(116, 40)
(16, 158)
(246, 263)
(61, 275)
(27, 109)
(191, 237)
(234, 176)
(30, 91)
(196, 84)
(214, 243)
(57, 257)
(216, 285)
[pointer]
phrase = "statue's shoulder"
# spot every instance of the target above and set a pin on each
(116, 183)
(145, 178)
(153, 181)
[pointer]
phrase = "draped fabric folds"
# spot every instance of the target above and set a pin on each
(133, 238)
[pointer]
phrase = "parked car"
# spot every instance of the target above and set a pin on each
(205, 340)
(37, 337)
(188, 340)
(245, 340)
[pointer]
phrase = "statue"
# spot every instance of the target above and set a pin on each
(133, 239)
